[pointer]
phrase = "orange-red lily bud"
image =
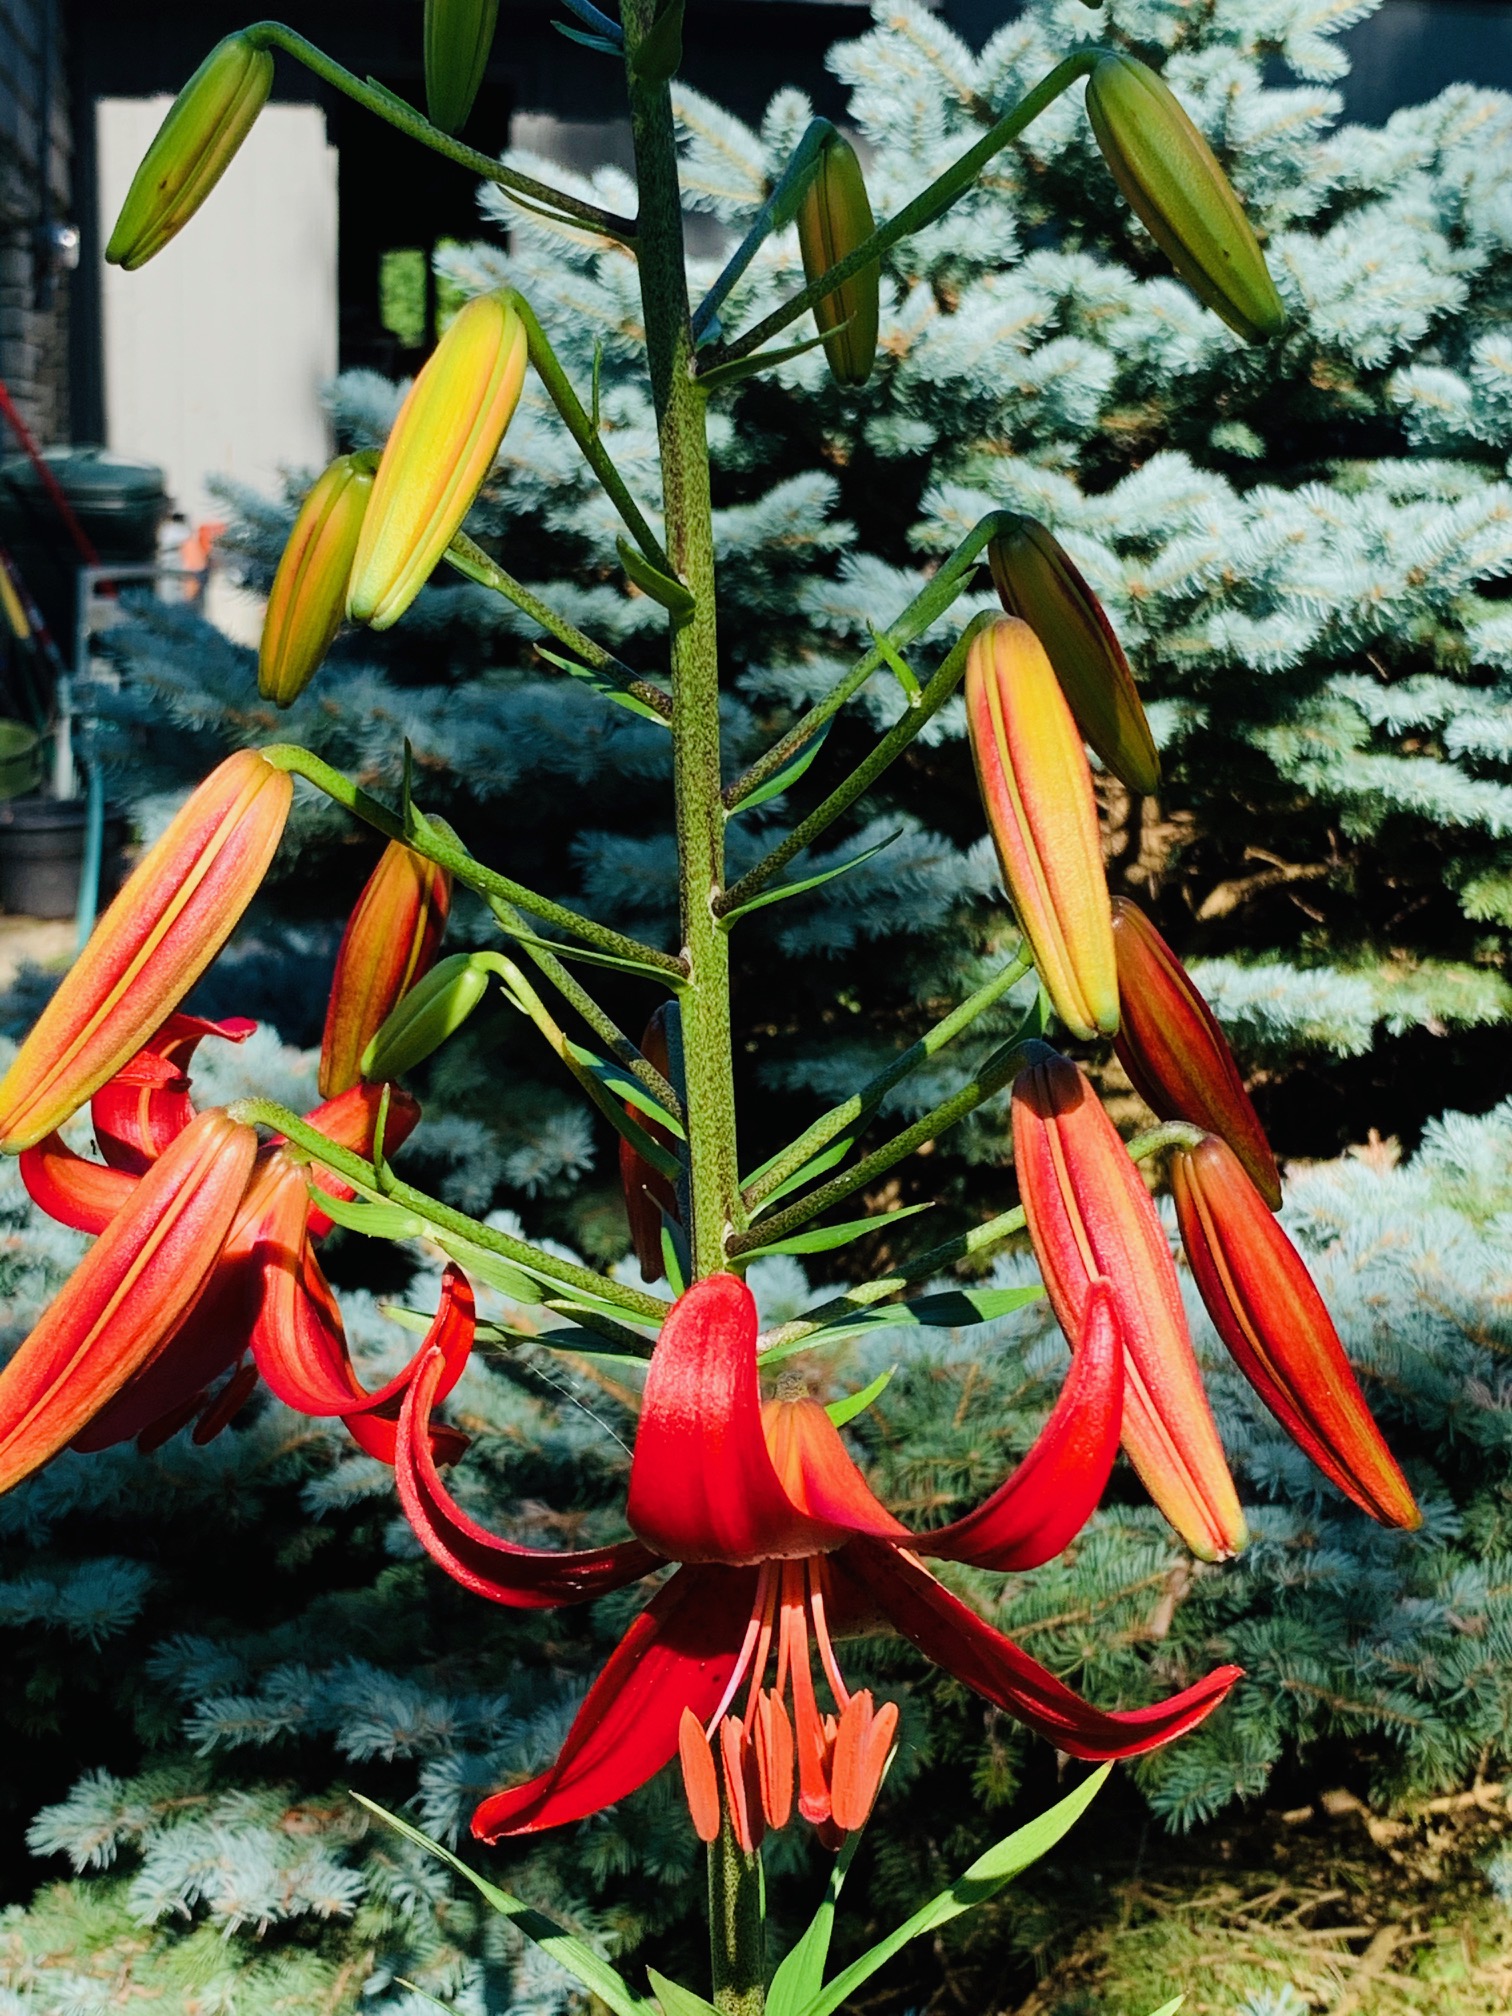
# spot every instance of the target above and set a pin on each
(1037, 789)
(833, 219)
(1089, 1213)
(1177, 1057)
(308, 597)
(178, 907)
(128, 1295)
(1267, 1309)
(442, 446)
(647, 1192)
(390, 942)
(1036, 579)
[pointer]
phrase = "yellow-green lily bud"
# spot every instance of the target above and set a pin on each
(1177, 190)
(443, 445)
(434, 1009)
(205, 125)
(1037, 580)
(308, 597)
(833, 219)
(458, 38)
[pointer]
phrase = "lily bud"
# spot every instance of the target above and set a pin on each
(1037, 789)
(1036, 579)
(178, 907)
(1267, 1309)
(458, 38)
(427, 1015)
(193, 148)
(308, 598)
(1089, 1214)
(1177, 1057)
(389, 943)
(1175, 187)
(833, 219)
(442, 446)
(647, 1192)
(128, 1295)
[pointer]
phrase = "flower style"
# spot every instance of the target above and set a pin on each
(781, 1545)
(260, 1289)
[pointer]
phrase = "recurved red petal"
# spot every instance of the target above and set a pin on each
(955, 1638)
(523, 1578)
(127, 1297)
(1054, 1491)
(390, 942)
(702, 1485)
(679, 1653)
(71, 1188)
(146, 1104)
(375, 1425)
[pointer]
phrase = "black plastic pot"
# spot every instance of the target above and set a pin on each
(42, 851)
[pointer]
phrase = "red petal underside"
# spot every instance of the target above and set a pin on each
(702, 1485)
(954, 1637)
(351, 1121)
(679, 1653)
(522, 1578)
(72, 1189)
(375, 1425)
(1054, 1491)
(146, 1105)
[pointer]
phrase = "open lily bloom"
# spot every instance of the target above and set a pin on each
(266, 1307)
(784, 1548)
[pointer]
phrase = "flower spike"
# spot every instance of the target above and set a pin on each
(1089, 1213)
(308, 598)
(1267, 1309)
(1037, 790)
(389, 944)
(178, 907)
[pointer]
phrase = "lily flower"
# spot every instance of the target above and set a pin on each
(264, 1306)
(783, 1549)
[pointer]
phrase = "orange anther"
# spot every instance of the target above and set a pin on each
(861, 1750)
(700, 1781)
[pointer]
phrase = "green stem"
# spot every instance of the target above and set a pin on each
(861, 779)
(364, 1176)
(713, 1172)
(470, 560)
(387, 106)
(929, 204)
(830, 1126)
(926, 608)
(432, 845)
(736, 1933)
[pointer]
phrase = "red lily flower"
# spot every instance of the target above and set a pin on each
(783, 1545)
(265, 1293)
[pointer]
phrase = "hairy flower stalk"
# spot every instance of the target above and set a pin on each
(177, 908)
(307, 601)
(390, 943)
(1037, 790)
(835, 217)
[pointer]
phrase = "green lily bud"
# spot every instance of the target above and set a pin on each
(433, 1010)
(833, 219)
(1037, 580)
(1177, 190)
(308, 598)
(458, 38)
(205, 125)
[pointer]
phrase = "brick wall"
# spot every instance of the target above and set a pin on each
(34, 181)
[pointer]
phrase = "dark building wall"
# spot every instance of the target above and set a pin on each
(34, 190)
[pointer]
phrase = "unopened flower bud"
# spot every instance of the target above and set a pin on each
(205, 125)
(442, 446)
(1177, 1057)
(1176, 189)
(1037, 790)
(648, 1194)
(389, 944)
(308, 598)
(1037, 580)
(428, 1014)
(458, 38)
(834, 218)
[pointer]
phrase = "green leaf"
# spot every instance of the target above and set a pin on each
(788, 775)
(841, 1411)
(579, 1343)
(676, 1258)
(659, 57)
(902, 671)
(957, 1309)
(677, 2000)
(719, 377)
(599, 42)
(603, 683)
(1170, 2008)
(424, 1994)
(490, 1268)
(986, 1876)
(786, 889)
(625, 1085)
(588, 956)
(375, 1221)
(596, 1975)
(816, 1165)
(801, 1975)
(673, 595)
(826, 1238)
